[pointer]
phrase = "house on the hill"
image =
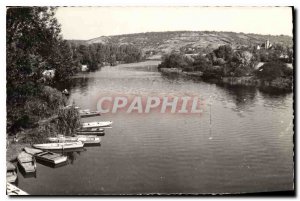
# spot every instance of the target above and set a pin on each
(266, 45)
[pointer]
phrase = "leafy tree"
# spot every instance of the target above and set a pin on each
(201, 63)
(33, 44)
(272, 70)
(175, 60)
(224, 51)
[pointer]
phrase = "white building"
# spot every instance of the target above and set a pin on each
(49, 73)
(84, 68)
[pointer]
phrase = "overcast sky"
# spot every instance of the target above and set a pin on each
(91, 22)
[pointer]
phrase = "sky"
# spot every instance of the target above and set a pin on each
(90, 22)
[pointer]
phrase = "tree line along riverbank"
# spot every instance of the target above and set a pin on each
(38, 59)
(268, 68)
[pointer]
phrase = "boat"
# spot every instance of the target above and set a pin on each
(32, 151)
(96, 124)
(27, 162)
(46, 156)
(88, 113)
(51, 157)
(59, 145)
(11, 174)
(99, 133)
(13, 190)
(90, 131)
(86, 139)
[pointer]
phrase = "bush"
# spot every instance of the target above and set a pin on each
(201, 63)
(175, 60)
(272, 70)
(68, 121)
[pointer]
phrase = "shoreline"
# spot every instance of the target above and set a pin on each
(282, 84)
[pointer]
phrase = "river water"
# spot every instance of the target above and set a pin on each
(247, 147)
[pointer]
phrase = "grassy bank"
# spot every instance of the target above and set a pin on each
(42, 116)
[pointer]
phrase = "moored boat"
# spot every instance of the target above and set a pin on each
(27, 162)
(88, 113)
(13, 190)
(99, 133)
(51, 157)
(96, 124)
(46, 156)
(32, 151)
(11, 174)
(59, 146)
(90, 131)
(86, 139)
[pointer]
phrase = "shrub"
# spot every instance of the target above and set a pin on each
(68, 120)
(272, 70)
(175, 60)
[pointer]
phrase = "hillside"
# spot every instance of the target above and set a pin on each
(168, 41)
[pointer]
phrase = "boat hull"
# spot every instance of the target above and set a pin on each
(13, 190)
(97, 124)
(59, 146)
(54, 161)
(27, 162)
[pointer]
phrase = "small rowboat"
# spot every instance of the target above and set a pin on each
(46, 156)
(51, 157)
(96, 124)
(90, 131)
(88, 113)
(59, 146)
(13, 190)
(99, 133)
(11, 174)
(27, 162)
(86, 139)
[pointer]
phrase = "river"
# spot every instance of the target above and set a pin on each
(247, 147)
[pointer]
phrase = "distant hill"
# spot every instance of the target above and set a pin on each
(174, 40)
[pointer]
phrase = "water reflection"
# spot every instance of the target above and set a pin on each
(159, 153)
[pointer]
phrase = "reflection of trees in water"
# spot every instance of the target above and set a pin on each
(77, 82)
(275, 98)
(243, 97)
(72, 156)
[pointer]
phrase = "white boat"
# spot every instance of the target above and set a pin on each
(11, 174)
(32, 151)
(96, 124)
(88, 113)
(27, 162)
(13, 190)
(90, 131)
(46, 156)
(59, 146)
(86, 139)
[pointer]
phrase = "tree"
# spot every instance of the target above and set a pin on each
(272, 70)
(201, 63)
(33, 44)
(175, 60)
(224, 51)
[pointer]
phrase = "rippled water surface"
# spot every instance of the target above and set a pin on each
(248, 148)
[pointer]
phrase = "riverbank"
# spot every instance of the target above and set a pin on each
(283, 84)
(45, 116)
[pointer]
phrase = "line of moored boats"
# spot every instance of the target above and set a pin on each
(87, 135)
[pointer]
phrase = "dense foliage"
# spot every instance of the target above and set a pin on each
(97, 55)
(272, 70)
(34, 47)
(225, 61)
